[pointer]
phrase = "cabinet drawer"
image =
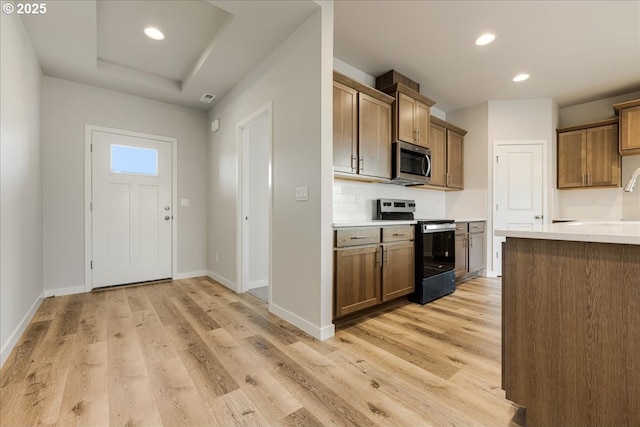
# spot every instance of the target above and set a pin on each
(476, 227)
(397, 233)
(357, 236)
(461, 228)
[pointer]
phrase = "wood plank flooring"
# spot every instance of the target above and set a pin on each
(193, 353)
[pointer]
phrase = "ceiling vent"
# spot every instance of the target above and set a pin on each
(207, 97)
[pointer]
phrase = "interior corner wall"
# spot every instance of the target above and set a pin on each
(290, 77)
(20, 182)
(66, 108)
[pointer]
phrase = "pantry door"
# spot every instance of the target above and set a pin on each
(131, 209)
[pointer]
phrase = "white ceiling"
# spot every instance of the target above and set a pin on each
(575, 51)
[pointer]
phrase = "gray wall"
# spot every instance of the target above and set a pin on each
(295, 80)
(66, 108)
(21, 183)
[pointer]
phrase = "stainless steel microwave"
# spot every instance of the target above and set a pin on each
(411, 164)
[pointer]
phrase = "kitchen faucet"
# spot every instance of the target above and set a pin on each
(632, 181)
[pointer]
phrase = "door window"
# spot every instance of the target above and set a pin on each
(134, 160)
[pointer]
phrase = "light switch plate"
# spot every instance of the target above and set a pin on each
(185, 203)
(302, 194)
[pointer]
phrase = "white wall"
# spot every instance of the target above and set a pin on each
(296, 78)
(20, 182)
(599, 203)
(66, 108)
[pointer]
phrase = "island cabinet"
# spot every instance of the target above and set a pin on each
(588, 155)
(372, 265)
(570, 322)
(411, 114)
(629, 113)
(469, 247)
(447, 154)
(361, 129)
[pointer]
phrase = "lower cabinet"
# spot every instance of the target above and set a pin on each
(469, 249)
(372, 265)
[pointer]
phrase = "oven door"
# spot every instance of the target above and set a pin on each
(438, 251)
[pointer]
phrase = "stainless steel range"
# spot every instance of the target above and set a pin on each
(434, 249)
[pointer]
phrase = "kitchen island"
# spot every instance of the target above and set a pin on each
(571, 323)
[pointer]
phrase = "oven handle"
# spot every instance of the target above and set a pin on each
(436, 228)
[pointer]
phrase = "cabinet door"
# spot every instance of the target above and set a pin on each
(438, 146)
(630, 130)
(603, 159)
(406, 107)
(345, 128)
(476, 252)
(461, 255)
(398, 270)
(423, 120)
(357, 279)
(374, 137)
(455, 159)
(572, 159)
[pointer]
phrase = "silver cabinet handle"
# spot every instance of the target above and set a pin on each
(399, 234)
(358, 237)
(354, 161)
(361, 163)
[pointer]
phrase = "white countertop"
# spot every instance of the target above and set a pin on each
(471, 220)
(620, 232)
(370, 223)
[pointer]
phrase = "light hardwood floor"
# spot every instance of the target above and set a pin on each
(191, 352)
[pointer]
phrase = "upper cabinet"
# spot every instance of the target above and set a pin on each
(629, 113)
(361, 129)
(446, 144)
(412, 110)
(588, 155)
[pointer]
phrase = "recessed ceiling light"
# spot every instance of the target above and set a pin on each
(521, 77)
(485, 39)
(154, 33)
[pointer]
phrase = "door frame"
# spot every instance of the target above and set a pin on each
(492, 204)
(241, 251)
(88, 184)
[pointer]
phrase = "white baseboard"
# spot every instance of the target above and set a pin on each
(320, 333)
(58, 292)
(15, 336)
(222, 280)
(491, 273)
(258, 283)
(190, 274)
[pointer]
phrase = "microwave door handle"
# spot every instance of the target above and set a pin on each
(428, 171)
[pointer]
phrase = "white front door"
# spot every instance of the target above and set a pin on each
(131, 210)
(518, 194)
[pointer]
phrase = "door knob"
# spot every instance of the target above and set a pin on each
(166, 208)
(167, 218)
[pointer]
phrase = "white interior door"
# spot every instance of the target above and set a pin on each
(255, 139)
(132, 214)
(518, 194)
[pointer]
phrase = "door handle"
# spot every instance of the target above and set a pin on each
(539, 216)
(167, 218)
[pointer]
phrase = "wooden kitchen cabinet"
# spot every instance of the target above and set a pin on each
(411, 115)
(372, 265)
(361, 129)
(446, 142)
(629, 116)
(588, 155)
(469, 246)
(357, 270)
(398, 261)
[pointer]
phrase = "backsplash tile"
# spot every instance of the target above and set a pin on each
(356, 201)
